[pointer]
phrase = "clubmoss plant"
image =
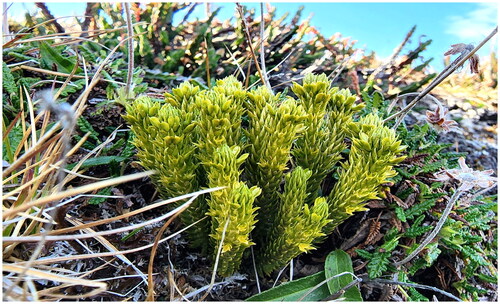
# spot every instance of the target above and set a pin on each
(231, 209)
(220, 115)
(372, 156)
(296, 224)
(163, 136)
(285, 148)
(274, 124)
(330, 110)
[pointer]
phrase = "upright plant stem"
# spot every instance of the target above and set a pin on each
(207, 64)
(5, 23)
(130, 45)
(47, 14)
(249, 40)
(262, 53)
(87, 20)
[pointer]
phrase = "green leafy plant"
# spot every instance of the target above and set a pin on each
(477, 253)
(373, 153)
(231, 209)
(295, 290)
(378, 261)
(296, 224)
(274, 124)
(195, 138)
(338, 262)
(423, 195)
(319, 286)
(276, 157)
(329, 111)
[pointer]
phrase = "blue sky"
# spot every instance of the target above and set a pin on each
(376, 26)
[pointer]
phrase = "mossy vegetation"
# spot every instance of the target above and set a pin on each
(282, 131)
(243, 175)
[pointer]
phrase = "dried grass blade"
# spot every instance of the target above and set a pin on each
(21, 172)
(42, 144)
(75, 191)
(93, 234)
(41, 176)
(106, 254)
(216, 263)
(239, 8)
(108, 246)
(12, 124)
(150, 282)
(134, 212)
(100, 286)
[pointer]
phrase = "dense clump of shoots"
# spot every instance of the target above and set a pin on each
(201, 138)
(330, 110)
(234, 205)
(219, 114)
(164, 137)
(193, 140)
(274, 125)
(296, 224)
(373, 153)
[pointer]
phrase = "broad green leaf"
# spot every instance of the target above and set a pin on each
(338, 261)
(50, 56)
(293, 291)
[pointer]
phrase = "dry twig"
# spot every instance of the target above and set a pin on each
(440, 78)
(432, 235)
(383, 281)
(250, 45)
(47, 14)
(130, 46)
(262, 53)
